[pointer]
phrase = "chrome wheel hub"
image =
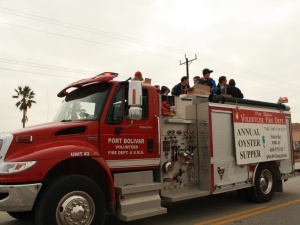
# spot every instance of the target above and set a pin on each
(75, 208)
(266, 181)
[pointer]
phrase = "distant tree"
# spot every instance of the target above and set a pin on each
(26, 95)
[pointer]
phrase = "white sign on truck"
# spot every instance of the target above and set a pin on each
(260, 136)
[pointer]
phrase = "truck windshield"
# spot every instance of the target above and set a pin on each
(83, 103)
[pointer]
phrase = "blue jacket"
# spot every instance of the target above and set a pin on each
(209, 82)
(176, 90)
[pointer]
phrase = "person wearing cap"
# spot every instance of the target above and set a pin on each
(181, 88)
(233, 90)
(207, 80)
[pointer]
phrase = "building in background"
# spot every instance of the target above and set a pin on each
(296, 135)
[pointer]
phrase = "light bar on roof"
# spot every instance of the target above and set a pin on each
(283, 100)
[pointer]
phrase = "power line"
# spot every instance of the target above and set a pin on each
(50, 75)
(91, 30)
(61, 76)
(95, 42)
(121, 37)
(43, 66)
(36, 73)
(81, 39)
(117, 36)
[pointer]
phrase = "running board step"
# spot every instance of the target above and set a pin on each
(130, 188)
(142, 214)
(137, 195)
(180, 195)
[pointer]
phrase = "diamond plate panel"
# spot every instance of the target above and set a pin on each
(128, 189)
(181, 104)
(139, 201)
(133, 178)
(204, 146)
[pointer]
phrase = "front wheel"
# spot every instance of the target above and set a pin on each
(71, 199)
(264, 186)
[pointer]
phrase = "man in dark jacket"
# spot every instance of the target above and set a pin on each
(181, 88)
(233, 90)
(222, 86)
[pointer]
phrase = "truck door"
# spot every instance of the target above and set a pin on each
(128, 144)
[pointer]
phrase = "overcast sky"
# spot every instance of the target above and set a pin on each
(49, 44)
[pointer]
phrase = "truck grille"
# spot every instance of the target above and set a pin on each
(1, 143)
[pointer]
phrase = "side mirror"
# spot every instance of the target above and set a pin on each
(135, 113)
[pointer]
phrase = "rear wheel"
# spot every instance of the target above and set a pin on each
(264, 186)
(29, 215)
(71, 199)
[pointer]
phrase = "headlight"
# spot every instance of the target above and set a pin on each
(15, 167)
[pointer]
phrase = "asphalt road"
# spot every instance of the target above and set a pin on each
(219, 209)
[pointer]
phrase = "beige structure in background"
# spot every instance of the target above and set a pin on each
(296, 135)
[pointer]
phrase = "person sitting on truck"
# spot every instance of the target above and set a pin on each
(181, 88)
(206, 80)
(195, 78)
(164, 90)
(222, 86)
(233, 90)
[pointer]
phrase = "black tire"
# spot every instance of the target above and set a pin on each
(28, 215)
(264, 184)
(71, 197)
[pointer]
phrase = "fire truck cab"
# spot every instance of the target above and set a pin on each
(120, 147)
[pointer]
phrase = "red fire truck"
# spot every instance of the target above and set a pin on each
(120, 147)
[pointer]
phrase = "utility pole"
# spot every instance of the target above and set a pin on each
(187, 63)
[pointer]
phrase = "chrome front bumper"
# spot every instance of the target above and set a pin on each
(18, 198)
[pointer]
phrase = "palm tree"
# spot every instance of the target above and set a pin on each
(26, 95)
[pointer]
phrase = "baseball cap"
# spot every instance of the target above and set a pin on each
(206, 71)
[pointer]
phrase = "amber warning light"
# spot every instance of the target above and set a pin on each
(283, 100)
